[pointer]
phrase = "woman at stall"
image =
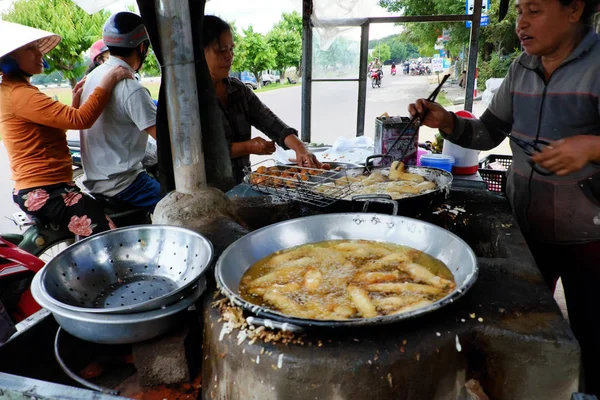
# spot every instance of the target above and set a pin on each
(550, 94)
(33, 129)
(241, 108)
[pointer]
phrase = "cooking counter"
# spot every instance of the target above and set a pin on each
(507, 333)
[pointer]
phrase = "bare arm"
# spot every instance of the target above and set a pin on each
(33, 105)
(151, 131)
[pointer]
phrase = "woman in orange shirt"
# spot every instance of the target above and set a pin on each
(33, 128)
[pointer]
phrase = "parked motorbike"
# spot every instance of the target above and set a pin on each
(376, 78)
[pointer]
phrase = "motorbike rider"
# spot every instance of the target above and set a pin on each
(377, 67)
(33, 127)
(98, 54)
(393, 68)
(112, 150)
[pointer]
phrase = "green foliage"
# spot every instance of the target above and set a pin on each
(151, 66)
(382, 52)
(258, 54)
(286, 40)
(342, 53)
(496, 67)
(399, 47)
(498, 36)
(78, 29)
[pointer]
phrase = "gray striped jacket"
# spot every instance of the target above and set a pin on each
(549, 208)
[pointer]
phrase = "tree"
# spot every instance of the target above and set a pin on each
(287, 46)
(259, 56)
(78, 29)
(151, 66)
(239, 58)
(498, 36)
(382, 52)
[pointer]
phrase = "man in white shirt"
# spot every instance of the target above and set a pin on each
(113, 148)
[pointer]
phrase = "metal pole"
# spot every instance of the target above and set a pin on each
(473, 50)
(307, 53)
(179, 77)
(362, 79)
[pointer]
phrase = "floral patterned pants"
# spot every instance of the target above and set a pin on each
(63, 204)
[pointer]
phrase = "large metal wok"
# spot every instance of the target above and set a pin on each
(406, 206)
(431, 239)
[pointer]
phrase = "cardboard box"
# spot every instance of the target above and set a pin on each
(387, 130)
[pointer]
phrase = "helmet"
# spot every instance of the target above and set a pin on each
(97, 48)
(124, 29)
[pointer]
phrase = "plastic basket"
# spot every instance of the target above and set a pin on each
(494, 179)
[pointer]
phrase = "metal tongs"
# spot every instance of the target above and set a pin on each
(530, 147)
(416, 121)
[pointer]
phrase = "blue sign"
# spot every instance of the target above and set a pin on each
(485, 21)
(443, 53)
(485, 6)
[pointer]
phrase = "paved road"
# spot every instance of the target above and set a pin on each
(335, 104)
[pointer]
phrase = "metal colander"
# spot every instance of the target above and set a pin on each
(133, 269)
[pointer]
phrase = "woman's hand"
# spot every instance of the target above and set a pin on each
(306, 159)
(568, 155)
(77, 91)
(437, 117)
(115, 75)
(260, 146)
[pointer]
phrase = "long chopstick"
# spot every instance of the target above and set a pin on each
(431, 98)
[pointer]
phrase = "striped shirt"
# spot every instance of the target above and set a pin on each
(550, 208)
(245, 110)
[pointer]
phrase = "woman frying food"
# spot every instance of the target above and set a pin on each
(242, 109)
(551, 94)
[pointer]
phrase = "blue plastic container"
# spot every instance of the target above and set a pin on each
(441, 161)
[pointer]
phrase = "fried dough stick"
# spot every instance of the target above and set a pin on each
(397, 173)
(362, 302)
(403, 288)
(421, 274)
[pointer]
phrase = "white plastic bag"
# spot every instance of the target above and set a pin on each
(491, 88)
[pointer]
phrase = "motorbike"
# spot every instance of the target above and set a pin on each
(393, 71)
(376, 78)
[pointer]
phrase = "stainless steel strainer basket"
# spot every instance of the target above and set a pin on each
(127, 270)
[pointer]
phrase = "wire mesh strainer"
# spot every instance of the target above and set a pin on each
(133, 269)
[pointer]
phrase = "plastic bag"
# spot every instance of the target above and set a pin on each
(349, 150)
(491, 88)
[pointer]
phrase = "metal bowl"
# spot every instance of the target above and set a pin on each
(133, 269)
(118, 328)
(429, 238)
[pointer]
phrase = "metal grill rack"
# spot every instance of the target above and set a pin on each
(317, 187)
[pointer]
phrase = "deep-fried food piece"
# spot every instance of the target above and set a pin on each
(412, 307)
(362, 302)
(374, 178)
(326, 166)
(294, 169)
(262, 170)
(397, 173)
(343, 312)
(393, 303)
(312, 279)
(390, 261)
(421, 274)
(403, 189)
(403, 288)
(426, 186)
(285, 304)
(287, 288)
(377, 277)
(280, 276)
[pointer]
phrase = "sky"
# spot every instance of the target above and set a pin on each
(263, 14)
